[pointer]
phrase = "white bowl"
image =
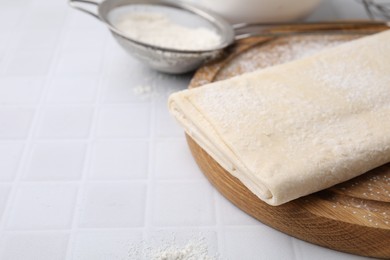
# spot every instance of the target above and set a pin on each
(237, 11)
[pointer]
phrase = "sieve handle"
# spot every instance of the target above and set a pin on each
(78, 4)
(245, 30)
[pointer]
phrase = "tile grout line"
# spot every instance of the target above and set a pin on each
(88, 156)
(138, 181)
(295, 249)
(28, 141)
(67, 230)
(19, 169)
(218, 224)
(108, 229)
(30, 182)
(71, 104)
(115, 139)
(151, 171)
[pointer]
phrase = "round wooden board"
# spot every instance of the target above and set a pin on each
(352, 217)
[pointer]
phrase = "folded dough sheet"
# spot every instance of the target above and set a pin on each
(300, 127)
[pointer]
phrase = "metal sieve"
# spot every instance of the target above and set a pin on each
(160, 58)
(180, 61)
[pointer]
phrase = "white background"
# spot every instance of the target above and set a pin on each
(89, 166)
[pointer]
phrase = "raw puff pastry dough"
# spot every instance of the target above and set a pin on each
(297, 128)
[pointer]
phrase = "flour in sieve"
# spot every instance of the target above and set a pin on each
(158, 30)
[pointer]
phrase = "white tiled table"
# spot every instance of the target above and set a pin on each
(88, 167)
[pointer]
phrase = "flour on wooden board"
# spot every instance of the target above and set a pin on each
(283, 50)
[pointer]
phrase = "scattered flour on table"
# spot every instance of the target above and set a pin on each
(194, 249)
(159, 86)
(143, 90)
(158, 30)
